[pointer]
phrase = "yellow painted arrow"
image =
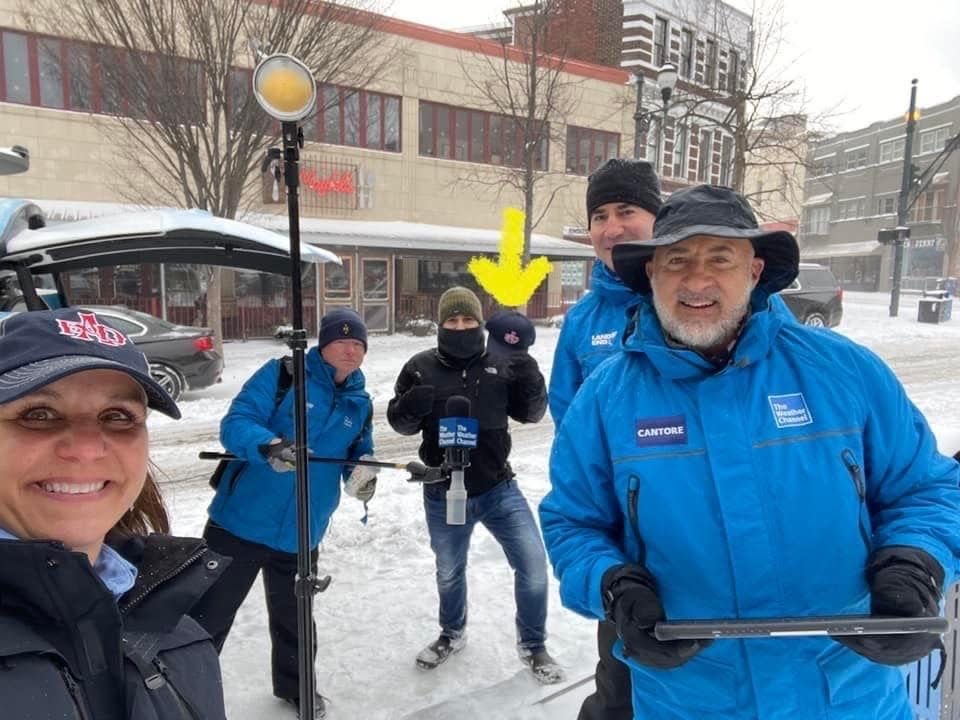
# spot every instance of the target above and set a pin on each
(506, 280)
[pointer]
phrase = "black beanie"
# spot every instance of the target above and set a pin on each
(341, 324)
(623, 181)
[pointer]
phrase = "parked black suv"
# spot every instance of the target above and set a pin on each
(815, 297)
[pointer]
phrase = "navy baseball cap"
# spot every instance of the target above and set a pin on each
(43, 346)
(509, 332)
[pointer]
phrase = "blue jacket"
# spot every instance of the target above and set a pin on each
(258, 504)
(754, 491)
(591, 333)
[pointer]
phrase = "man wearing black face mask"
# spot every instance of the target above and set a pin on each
(497, 387)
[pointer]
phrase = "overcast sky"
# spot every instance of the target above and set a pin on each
(856, 54)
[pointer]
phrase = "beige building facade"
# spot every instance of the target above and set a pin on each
(387, 166)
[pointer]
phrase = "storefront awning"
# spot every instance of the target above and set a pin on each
(867, 247)
(399, 236)
(818, 199)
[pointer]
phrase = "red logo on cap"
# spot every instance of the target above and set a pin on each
(511, 337)
(89, 329)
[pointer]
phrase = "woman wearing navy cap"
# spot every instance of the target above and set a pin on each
(92, 606)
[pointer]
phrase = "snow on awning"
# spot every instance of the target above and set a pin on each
(401, 235)
(866, 247)
(941, 178)
(818, 199)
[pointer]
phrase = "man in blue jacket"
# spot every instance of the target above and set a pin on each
(731, 463)
(623, 197)
(253, 516)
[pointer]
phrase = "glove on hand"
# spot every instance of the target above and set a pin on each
(904, 582)
(362, 483)
(632, 603)
(417, 401)
(523, 367)
(280, 454)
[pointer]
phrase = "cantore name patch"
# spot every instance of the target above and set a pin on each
(670, 430)
(790, 410)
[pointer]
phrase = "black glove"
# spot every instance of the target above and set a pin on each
(280, 454)
(904, 582)
(416, 402)
(631, 602)
(523, 367)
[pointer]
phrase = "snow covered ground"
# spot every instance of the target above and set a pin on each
(381, 607)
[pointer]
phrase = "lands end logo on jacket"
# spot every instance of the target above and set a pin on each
(662, 431)
(790, 410)
(603, 339)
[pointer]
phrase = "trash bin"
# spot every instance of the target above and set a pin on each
(935, 307)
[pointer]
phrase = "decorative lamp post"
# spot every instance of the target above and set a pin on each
(286, 90)
(667, 80)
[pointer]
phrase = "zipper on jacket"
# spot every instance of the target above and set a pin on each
(633, 494)
(857, 477)
(75, 694)
(188, 710)
(170, 575)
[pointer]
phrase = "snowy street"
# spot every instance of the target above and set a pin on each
(381, 607)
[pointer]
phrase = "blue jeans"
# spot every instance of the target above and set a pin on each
(504, 511)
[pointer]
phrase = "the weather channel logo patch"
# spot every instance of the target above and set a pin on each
(662, 431)
(790, 410)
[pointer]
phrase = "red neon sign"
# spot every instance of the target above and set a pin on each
(341, 183)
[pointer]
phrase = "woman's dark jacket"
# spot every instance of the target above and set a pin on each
(497, 389)
(69, 649)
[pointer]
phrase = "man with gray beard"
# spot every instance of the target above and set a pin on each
(731, 463)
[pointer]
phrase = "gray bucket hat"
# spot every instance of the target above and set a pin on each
(719, 212)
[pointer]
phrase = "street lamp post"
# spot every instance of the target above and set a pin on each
(903, 202)
(286, 90)
(667, 80)
(640, 122)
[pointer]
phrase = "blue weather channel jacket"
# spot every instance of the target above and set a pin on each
(260, 505)
(754, 491)
(591, 333)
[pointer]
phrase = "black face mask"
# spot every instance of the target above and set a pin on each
(460, 344)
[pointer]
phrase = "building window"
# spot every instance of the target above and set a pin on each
(355, 118)
(726, 160)
(588, 149)
(933, 140)
(475, 136)
(651, 144)
(887, 205)
(336, 280)
(822, 166)
(851, 208)
(856, 158)
(661, 39)
(733, 71)
(818, 220)
(891, 150)
(72, 75)
(375, 279)
(928, 208)
(705, 156)
(16, 68)
(686, 53)
(680, 151)
(710, 65)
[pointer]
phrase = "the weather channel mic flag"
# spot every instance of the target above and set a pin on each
(458, 432)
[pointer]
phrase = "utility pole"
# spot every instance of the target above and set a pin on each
(903, 202)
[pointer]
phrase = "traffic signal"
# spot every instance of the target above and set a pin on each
(887, 236)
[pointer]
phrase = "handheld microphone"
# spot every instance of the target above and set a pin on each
(458, 433)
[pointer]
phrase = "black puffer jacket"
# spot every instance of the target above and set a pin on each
(69, 650)
(497, 389)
